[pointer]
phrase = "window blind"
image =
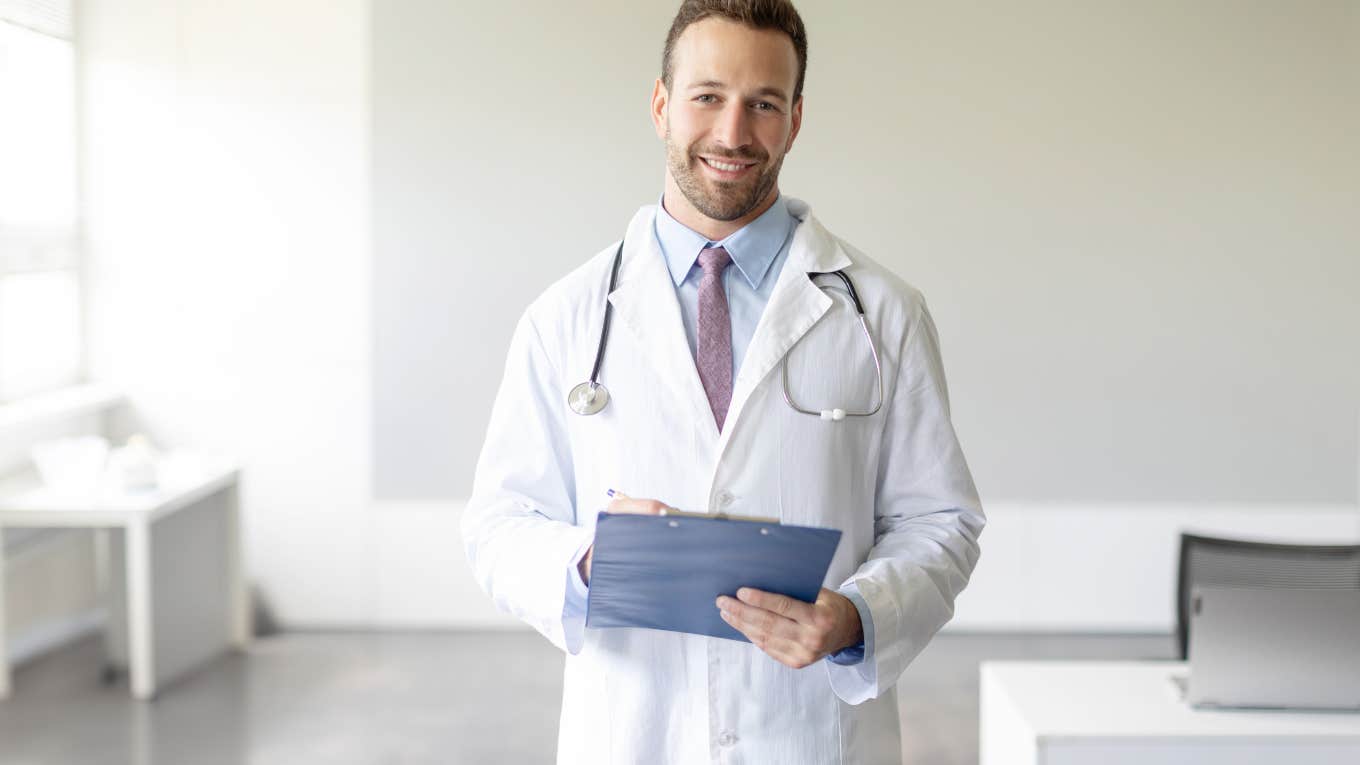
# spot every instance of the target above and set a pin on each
(50, 17)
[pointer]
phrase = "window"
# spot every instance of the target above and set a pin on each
(40, 292)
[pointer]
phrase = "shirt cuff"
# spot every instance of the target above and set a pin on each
(864, 650)
(578, 588)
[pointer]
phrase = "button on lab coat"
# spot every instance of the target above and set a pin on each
(896, 484)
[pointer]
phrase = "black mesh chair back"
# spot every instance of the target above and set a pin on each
(1220, 562)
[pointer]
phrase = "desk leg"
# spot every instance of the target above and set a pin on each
(4, 646)
(239, 601)
(137, 559)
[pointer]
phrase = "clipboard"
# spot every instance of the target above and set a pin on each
(665, 571)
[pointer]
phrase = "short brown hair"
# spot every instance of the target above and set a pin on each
(757, 14)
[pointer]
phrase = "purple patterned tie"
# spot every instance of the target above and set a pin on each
(715, 333)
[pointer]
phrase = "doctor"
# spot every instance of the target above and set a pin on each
(712, 306)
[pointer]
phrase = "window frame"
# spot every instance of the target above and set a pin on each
(29, 249)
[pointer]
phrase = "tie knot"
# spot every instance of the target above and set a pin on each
(714, 259)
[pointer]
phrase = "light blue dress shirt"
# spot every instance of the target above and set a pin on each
(758, 252)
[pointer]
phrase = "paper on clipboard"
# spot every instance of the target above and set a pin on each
(666, 572)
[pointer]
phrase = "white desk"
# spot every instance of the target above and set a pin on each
(190, 526)
(1120, 713)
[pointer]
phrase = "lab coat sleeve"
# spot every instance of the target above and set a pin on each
(519, 527)
(927, 520)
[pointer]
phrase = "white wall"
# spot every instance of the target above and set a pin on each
(226, 150)
(1134, 224)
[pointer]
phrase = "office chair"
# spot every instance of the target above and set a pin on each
(1233, 563)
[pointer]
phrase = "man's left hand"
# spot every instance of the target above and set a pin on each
(792, 632)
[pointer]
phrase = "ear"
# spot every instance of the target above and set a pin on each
(660, 99)
(797, 116)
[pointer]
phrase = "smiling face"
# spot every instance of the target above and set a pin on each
(728, 118)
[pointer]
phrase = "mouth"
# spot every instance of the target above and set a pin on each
(726, 169)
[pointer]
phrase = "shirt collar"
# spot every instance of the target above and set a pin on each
(753, 248)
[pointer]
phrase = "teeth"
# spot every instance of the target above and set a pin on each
(725, 166)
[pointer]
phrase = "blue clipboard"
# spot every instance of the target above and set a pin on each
(665, 572)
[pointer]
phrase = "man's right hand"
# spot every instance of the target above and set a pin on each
(622, 505)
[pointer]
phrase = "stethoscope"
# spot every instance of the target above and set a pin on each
(591, 397)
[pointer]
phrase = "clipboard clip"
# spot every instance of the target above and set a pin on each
(671, 511)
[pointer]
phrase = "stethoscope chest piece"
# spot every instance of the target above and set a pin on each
(588, 398)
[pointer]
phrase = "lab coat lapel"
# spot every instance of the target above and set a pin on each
(795, 305)
(646, 305)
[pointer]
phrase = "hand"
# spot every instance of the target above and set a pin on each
(622, 505)
(792, 632)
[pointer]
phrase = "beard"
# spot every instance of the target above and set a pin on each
(720, 200)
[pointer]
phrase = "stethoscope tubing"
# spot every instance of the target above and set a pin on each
(608, 313)
(584, 398)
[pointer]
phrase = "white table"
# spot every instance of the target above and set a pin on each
(1120, 713)
(189, 527)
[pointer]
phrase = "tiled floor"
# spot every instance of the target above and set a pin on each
(416, 698)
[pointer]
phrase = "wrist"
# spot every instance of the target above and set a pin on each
(854, 634)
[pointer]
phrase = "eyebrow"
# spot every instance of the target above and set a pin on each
(767, 90)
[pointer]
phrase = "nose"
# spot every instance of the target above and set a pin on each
(733, 127)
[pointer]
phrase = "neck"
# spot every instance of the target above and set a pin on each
(679, 207)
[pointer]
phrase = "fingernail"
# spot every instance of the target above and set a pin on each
(743, 593)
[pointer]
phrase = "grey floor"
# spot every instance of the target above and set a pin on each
(416, 698)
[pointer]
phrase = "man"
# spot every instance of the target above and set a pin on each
(713, 300)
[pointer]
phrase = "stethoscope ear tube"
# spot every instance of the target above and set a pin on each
(849, 287)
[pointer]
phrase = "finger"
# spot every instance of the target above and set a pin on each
(759, 620)
(628, 506)
(785, 651)
(789, 608)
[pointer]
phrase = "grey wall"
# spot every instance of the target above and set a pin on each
(1135, 222)
(511, 141)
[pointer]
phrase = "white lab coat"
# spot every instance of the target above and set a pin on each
(895, 483)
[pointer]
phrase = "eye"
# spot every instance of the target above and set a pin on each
(706, 98)
(765, 106)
